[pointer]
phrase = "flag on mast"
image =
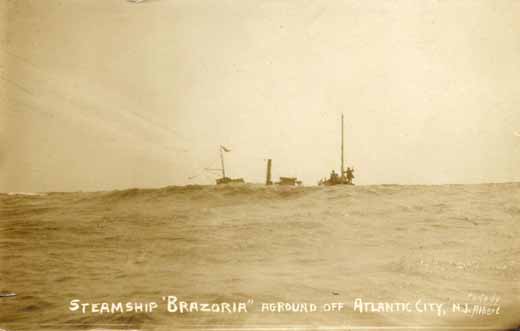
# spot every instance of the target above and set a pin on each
(225, 149)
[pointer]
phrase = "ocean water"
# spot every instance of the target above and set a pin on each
(259, 245)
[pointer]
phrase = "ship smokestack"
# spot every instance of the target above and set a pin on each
(268, 174)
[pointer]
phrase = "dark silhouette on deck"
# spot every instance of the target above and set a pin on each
(346, 176)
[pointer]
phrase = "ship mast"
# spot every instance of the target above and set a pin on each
(342, 162)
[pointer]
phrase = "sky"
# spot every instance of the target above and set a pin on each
(110, 94)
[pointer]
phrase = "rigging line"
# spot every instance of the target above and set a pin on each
(43, 111)
(205, 172)
(20, 58)
(18, 85)
(167, 148)
(89, 116)
(162, 128)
